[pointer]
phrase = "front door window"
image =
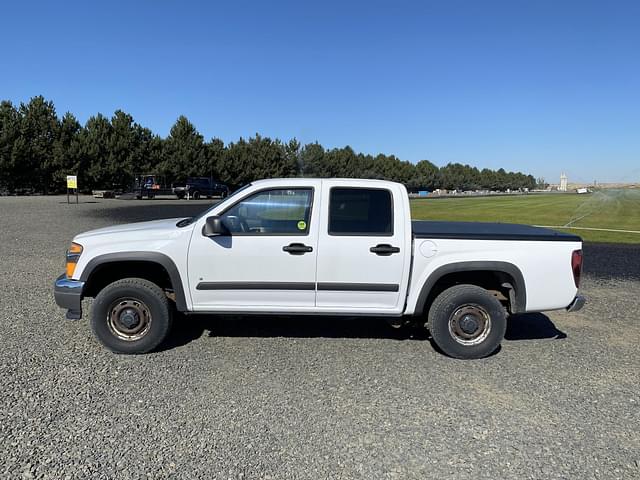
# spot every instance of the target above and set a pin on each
(271, 212)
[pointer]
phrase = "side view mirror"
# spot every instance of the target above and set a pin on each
(214, 227)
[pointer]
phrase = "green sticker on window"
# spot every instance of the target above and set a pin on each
(302, 225)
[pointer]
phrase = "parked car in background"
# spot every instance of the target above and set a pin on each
(196, 187)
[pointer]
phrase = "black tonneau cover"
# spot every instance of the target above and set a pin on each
(487, 231)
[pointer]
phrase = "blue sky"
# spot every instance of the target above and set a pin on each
(537, 86)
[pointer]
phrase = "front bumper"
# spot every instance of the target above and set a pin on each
(68, 294)
(577, 304)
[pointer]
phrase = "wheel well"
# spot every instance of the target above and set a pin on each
(502, 285)
(106, 273)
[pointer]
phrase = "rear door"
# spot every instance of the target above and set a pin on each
(363, 252)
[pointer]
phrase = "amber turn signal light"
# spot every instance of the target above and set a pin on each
(75, 248)
(73, 254)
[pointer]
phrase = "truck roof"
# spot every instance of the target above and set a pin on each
(295, 181)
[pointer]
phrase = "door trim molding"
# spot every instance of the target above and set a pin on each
(358, 287)
(256, 286)
(322, 286)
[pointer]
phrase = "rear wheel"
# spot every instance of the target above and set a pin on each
(467, 322)
(131, 316)
(196, 195)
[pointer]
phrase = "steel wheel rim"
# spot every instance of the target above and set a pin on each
(129, 319)
(470, 324)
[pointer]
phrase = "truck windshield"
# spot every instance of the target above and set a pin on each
(188, 221)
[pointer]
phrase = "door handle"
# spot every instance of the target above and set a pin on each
(384, 249)
(297, 248)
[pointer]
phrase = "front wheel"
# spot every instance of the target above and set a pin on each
(131, 315)
(467, 322)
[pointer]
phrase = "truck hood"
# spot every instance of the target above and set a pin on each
(155, 227)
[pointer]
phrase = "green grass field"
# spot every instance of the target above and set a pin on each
(609, 209)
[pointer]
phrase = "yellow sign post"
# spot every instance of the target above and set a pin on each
(72, 184)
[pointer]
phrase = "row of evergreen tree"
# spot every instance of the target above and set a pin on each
(38, 149)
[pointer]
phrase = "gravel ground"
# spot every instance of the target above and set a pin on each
(306, 398)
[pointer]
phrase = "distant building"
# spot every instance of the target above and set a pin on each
(563, 183)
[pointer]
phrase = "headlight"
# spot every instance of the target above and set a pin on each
(73, 255)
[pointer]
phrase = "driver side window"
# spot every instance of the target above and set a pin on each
(271, 212)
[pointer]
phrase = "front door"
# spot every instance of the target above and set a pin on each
(267, 262)
(362, 250)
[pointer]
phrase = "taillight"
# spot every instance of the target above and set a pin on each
(576, 266)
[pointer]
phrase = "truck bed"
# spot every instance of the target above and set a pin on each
(487, 231)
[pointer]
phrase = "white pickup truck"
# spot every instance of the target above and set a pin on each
(319, 246)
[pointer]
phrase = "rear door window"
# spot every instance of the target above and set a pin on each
(360, 212)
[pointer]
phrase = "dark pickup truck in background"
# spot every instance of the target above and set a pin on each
(196, 187)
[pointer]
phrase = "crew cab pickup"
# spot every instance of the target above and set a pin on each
(319, 246)
(195, 187)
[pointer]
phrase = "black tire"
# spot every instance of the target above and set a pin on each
(119, 303)
(467, 322)
(180, 196)
(138, 197)
(196, 195)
